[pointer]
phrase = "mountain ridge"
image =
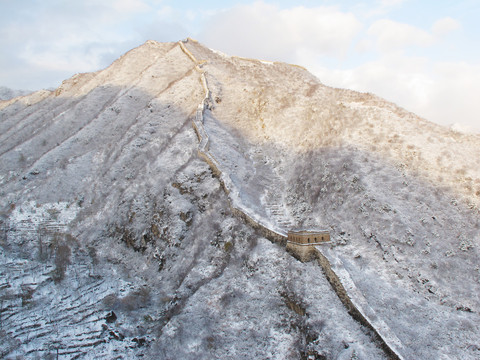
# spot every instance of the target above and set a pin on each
(119, 150)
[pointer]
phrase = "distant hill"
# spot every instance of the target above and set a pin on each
(7, 93)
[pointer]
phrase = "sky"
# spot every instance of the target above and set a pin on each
(424, 55)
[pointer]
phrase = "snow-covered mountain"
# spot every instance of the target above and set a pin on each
(123, 195)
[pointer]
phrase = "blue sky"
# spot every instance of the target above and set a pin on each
(421, 54)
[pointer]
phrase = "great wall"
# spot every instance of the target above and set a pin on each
(331, 264)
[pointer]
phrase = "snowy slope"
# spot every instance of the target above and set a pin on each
(106, 205)
(399, 194)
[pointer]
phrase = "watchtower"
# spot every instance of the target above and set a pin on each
(301, 243)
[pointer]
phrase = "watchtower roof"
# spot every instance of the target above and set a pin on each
(307, 231)
(308, 237)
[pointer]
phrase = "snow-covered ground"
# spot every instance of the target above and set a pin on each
(106, 206)
(399, 194)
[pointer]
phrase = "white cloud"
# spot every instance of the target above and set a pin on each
(391, 35)
(364, 45)
(455, 94)
(391, 2)
(380, 8)
(444, 26)
(56, 39)
(266, 31)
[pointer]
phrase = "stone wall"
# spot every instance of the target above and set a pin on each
(386, 341)
(304, 253)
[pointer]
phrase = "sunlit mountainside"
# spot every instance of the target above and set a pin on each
(141, 207)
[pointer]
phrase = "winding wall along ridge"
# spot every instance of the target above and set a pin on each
(388, 341)
(356, 304)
